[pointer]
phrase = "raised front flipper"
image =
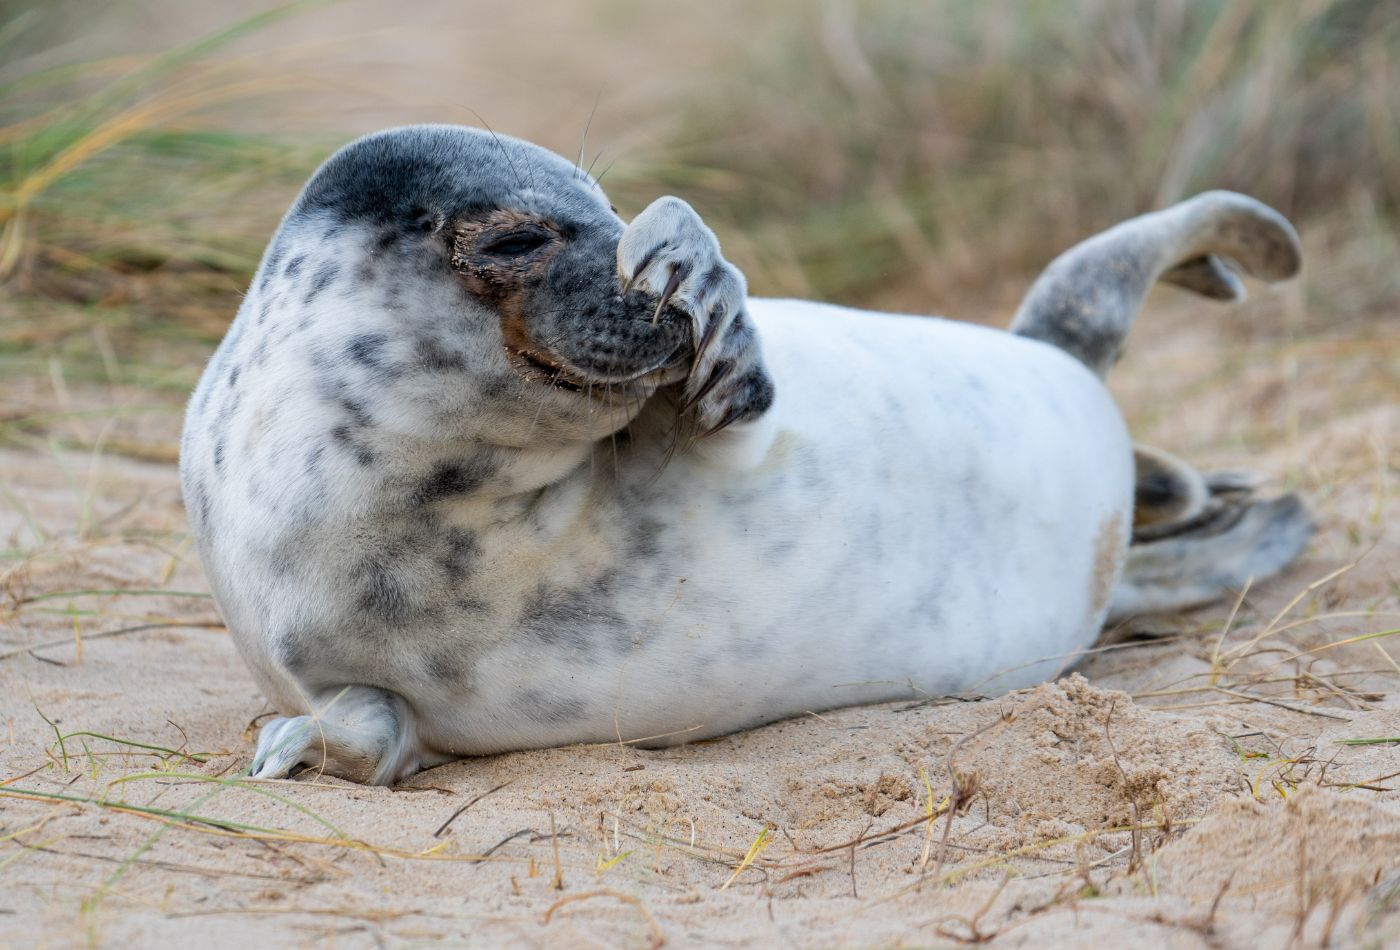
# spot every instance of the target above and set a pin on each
(669, 252)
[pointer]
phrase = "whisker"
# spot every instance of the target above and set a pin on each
(544, 395)
(599, 180)
(612, 436)
(502, 146)
(583, 140)
(589, 170)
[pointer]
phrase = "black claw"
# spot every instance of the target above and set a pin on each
(641, 268)
(721, 370)
(711, 330)
(674, 281)
(731, 417)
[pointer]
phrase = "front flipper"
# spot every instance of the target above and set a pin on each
(669, 252)
(359, 733)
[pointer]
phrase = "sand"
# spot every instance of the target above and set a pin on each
(1139, 800)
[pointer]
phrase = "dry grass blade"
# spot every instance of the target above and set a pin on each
(459, 812)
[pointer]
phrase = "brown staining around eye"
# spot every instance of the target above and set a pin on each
(501, 279)
(495, 275)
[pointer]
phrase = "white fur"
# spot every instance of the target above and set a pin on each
(989, 462)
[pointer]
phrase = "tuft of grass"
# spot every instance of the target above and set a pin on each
(126, 229)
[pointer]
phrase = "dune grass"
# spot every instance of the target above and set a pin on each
(858, 151)
(949, 145)
(125, 233)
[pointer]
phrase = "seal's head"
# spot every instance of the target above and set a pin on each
(486, 262)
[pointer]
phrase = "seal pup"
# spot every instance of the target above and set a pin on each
(480, 466)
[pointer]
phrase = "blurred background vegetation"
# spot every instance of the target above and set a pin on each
(924, 156)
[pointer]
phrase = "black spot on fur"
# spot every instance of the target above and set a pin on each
(568, 618)
(542, 707)
(201, 500)
(270, 263)
(296, 651)
(644, 536)
(432, 355)
(496, 387)
(367, 349)
(710, 282)
(325, 274)
(342, 436)
(779, 549)
(357, 412)
(386, 240)
(758, 393)
(451, 478)
(444, 666)
(383, 594)
(294, 265)
(461, 554)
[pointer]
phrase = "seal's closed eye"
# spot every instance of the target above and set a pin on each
(516, 244)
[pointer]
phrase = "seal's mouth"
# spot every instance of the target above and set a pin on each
(537, 368)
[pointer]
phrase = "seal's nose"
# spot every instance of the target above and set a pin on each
(581, 319)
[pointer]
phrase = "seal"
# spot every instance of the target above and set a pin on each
(481, 467)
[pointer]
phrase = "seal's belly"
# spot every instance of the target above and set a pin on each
(943, 509)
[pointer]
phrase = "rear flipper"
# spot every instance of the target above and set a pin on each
(1171, 495)
(1196, 537)
(1211, 548)
(1087, 298)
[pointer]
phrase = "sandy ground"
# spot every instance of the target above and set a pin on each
(1139, 799)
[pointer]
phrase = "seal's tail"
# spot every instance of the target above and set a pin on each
(1195, 537)
(1087, 298)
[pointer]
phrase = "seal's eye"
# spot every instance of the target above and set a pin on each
(516, 244)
